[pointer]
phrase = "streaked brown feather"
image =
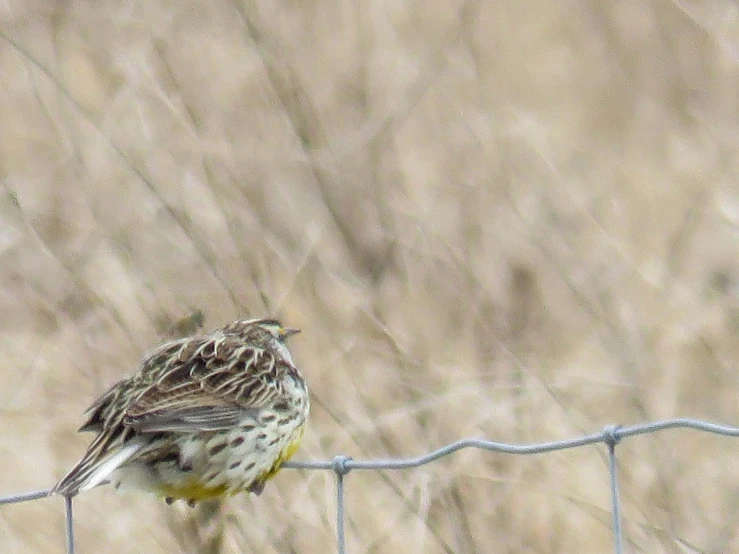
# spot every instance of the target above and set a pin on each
(205, 371)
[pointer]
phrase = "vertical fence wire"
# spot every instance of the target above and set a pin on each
(611, 441)
(340, 536)
(69, 521)
(341, 465)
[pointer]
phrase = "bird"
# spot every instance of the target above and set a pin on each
(203, 417)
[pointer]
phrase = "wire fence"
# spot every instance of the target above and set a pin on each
(341, 465)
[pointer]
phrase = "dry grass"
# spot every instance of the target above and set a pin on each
(500, 219)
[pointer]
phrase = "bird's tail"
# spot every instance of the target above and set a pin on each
(93, 470)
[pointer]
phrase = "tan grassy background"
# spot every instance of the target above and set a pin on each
(511, 220)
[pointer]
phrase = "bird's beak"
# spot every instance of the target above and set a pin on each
(289, 332)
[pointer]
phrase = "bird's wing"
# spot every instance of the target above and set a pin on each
(195, 384)
(190, 419)
(189, 409)
(206, 385)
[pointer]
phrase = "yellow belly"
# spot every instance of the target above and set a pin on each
(191, 488)
(192, 491)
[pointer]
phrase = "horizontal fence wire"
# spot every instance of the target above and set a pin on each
(341, 465)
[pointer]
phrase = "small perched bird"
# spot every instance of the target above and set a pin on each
(203, 417)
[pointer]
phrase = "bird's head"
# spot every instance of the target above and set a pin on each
(275, 329)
